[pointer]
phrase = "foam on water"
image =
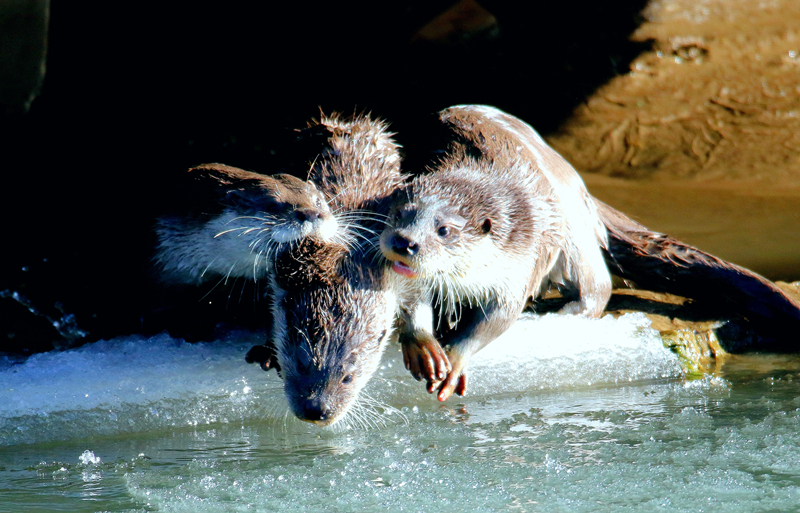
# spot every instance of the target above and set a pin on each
(137, 384)
(658, 447)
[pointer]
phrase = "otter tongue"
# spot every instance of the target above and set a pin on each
(403, 270)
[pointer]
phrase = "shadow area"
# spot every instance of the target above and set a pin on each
(135, 95)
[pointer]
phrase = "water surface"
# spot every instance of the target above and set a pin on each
(564, 415)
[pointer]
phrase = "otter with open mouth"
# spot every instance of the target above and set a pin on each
(501, 219)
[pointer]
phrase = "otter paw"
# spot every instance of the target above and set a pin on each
(264, 356)
(424, 357)
(453, 384)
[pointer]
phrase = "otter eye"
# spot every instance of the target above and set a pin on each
(443, 231)
(397, 215)
(347, 379)
(486, 227)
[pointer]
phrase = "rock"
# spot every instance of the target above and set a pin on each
(23, 40)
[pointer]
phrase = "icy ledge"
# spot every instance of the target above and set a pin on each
(136, 384)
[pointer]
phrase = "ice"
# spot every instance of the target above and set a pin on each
(564, 415)
(557, 352)
(678, 461)
(131, 384)
(135, 384)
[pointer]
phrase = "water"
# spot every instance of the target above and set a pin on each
(564, 415)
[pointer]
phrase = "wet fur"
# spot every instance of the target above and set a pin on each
(528, 223)
(554, 224)
(333, 309)
(658, 262)
(336, 304)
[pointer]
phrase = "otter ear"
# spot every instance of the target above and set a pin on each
(486, 227)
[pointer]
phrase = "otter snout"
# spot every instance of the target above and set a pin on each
(314, 405)
(402, 245)
(315, 410)
(307, 214)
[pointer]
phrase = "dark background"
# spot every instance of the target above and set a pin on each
(136, 93)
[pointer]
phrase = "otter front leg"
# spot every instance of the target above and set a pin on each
(265, 356)
(423, 356)
(488, 323)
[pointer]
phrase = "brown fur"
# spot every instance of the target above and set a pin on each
(502, 194)
(658, 262)
(486, 233)
(244, 217)
(333, 311)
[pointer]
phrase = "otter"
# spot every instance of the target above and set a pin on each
(333, 310)
(501, 219)
(334, 314)
(491, 231)
(246, 217)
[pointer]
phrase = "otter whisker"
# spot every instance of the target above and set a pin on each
(257, 218)
(347, 239)
(361, 228)
(377, 258)
(311, 167)
(209, 265)
(212, 289)
(248, 231)
(228, 275)
(372, 241)
(229, 231)
(230, 292)
(241, 292)
(255, 242)
(363, 215)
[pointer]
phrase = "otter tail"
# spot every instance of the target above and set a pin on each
(661, 263)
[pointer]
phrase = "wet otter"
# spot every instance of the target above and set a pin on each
(334, 315)
(336, 305)
(492, 231)
(333, 310)
(246, 216)
(502, 218)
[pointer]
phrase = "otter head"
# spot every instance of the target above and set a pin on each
(282, 208)
(430, 232)
(333, 318)
(278, 208)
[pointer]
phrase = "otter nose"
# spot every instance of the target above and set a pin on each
(403, 246)
(307, 214)
(315, 410)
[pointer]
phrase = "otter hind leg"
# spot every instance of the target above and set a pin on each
(590, 276)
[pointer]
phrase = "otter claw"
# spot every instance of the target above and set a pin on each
(457, 385)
